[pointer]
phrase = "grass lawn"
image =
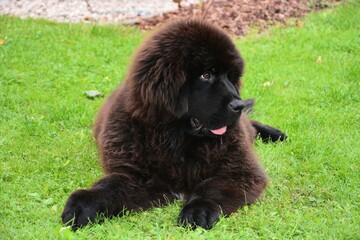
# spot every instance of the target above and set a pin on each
(306, 80)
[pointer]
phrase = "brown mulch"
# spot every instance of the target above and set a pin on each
(237, 16)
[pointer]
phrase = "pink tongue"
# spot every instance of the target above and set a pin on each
(219, 131)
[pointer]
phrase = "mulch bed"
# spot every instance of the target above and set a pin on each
(237, 16)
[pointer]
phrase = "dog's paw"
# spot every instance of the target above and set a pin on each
(277, 135)
(81, 208)
(199, 213)
(272, 134)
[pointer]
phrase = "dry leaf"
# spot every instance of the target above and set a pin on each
(92, 94)
(299, 23)
(268, 84)
(318, 60)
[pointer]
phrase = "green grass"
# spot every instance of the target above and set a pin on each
(47, 151)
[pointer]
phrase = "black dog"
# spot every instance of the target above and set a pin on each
(175, 128)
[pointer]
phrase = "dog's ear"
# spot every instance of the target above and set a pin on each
(161, 83)
(172, 91)
(181, 104)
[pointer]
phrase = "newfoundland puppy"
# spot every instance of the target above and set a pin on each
(176, 128)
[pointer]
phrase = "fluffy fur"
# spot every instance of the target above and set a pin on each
(175, 127)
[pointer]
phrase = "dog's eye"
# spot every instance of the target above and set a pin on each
(206, 76)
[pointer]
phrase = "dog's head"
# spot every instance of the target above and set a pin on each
(192, 69)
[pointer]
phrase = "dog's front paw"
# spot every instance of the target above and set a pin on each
(199, 213)
(81, 208)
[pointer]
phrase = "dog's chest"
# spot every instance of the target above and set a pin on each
(184, 162)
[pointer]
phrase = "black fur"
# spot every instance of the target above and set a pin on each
(176, 127)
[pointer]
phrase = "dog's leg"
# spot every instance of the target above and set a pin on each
(217, 196)
(249, 105)
(267, 133)
(111, 196)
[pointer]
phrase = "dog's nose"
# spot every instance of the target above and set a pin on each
(236, 105)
